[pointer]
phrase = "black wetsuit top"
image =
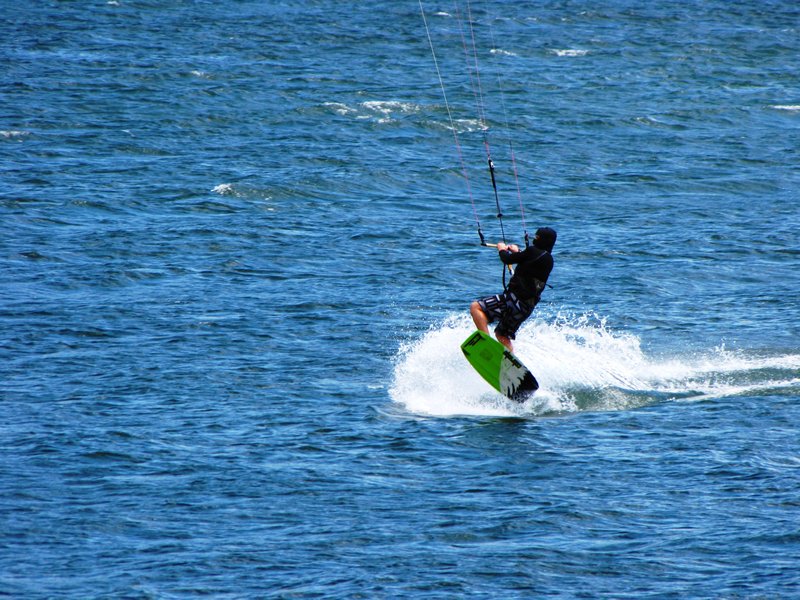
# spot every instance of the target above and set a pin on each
(532, 264)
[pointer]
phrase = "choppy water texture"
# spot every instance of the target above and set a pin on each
(237, 254)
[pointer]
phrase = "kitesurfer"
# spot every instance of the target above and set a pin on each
(523, 292)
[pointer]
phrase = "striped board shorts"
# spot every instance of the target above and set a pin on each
(509, 310)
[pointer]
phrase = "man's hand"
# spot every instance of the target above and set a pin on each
(501, 246)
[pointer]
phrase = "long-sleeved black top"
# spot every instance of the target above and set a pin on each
(532, 264)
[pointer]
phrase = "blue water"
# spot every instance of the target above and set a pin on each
(237, 254)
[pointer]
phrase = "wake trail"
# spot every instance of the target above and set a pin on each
(580, 364)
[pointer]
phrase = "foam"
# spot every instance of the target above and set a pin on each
(580, 363)
(9, 134)
(224, 189)
(569, 52)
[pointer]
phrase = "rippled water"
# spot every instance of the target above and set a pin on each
(237, 255)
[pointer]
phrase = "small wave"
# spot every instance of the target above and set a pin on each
(14, 134)
(580, 364)
(381, 111)
(339, 108)
(245, 192)
(466, 125)
(390, 106)
(500, 52)
(786, 107)
(224, 189)
(385, 109)
(569, 52)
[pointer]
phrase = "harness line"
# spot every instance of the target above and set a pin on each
(510, 145)
(452, 126)
(475, 81)
(477, 92)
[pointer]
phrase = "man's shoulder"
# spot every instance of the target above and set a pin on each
(534, 253)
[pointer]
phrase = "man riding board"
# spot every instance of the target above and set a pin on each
(523, 292)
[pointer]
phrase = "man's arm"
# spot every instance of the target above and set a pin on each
(509, 253)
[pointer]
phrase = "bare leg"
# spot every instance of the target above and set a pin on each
(506, 341)
(479, 317)
(482, 323)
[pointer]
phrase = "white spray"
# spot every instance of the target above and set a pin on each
(580, 364)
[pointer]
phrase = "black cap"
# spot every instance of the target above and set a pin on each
(545, 238)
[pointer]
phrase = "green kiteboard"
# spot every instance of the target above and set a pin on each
(499, 367)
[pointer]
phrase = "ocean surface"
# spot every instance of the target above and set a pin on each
(238, 250)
